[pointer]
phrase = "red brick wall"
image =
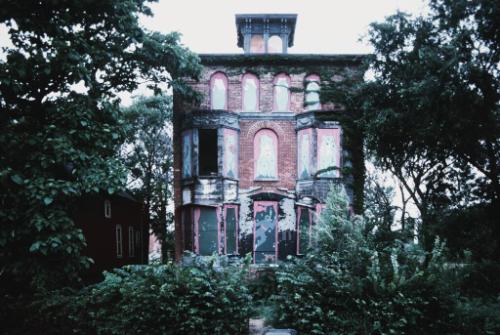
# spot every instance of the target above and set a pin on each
(287, 149)
(235, 75)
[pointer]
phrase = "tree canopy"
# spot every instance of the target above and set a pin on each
(432, 114)
(60, 125)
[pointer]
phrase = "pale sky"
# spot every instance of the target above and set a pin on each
(323, 26)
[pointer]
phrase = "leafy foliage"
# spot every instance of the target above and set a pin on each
(147, 153)
(432, 113)
(60, 122)
(353, 285)
(163, 299)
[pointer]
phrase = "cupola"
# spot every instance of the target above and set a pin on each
(265, 33)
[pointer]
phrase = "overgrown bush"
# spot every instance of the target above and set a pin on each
(165, 299)
(352, 284)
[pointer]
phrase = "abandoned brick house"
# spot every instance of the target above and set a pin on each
(253, 161)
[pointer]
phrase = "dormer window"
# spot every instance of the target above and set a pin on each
(282, 93)
(218, 91)
(250, 87)
(107, 209)
(312, 99)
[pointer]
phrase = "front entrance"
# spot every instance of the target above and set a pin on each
(265, 246)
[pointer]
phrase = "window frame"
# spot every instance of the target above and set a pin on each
(256, 141)
(196, 225)
(244, 78)
(236, 229)
(269, 43)
(119, 240)
(276, 228)
(307, 81)
(227, 133)
(187, 135)
(275, 100)
(309, 229)
(107, 209)
(213, 77)
(336, 134)
(131, 245)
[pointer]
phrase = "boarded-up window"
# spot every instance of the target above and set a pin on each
(230, 153)
(231, 224)
(312, 99)
(282, 93)
(250, 86)
(304, 153)
(218, 91)
(208, 152)
(208, 230)
(266, 155)
(304, 228)
(265, 231)
(328, 152)
(186, 154)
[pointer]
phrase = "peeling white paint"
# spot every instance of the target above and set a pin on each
(287, 222)
(246, 221)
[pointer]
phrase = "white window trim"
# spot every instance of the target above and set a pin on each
(119, 241)
(107, 209)
(131, 245)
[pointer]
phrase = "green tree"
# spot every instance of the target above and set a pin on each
(431, 115)
(60, 126)
(147, 152)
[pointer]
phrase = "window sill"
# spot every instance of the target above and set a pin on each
(258, 179)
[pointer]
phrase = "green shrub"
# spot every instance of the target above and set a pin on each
(353, 284)
(164, 299)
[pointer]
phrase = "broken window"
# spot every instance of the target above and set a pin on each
(207, 222)
(304, 229)
(208, 152)
(328, 152)
(312, 93)
(250, 86)
(218, 91)
(231, 226)
(282, 93)
(265, 231)
(266, 155)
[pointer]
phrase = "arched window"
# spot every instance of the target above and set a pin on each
(250, 87)
(282, 93)
(275, 44)
(265, 148)
(218, 91)
(312, 100)
(257, 44)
